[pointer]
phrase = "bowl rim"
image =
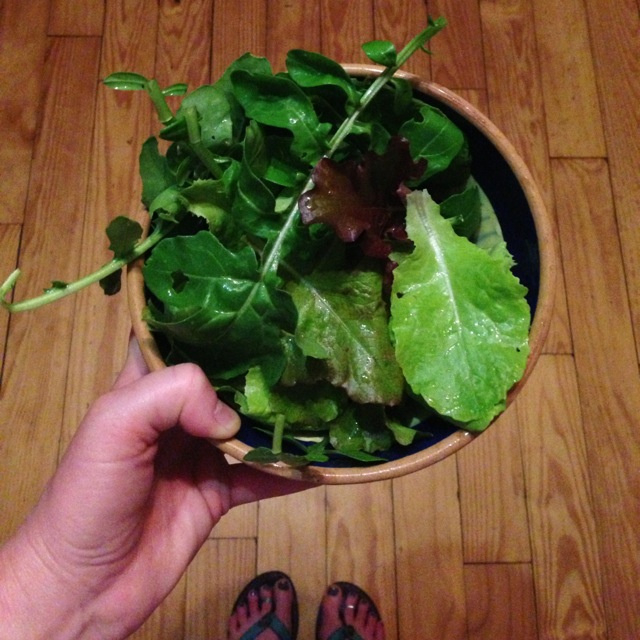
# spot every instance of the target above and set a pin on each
(547, 248)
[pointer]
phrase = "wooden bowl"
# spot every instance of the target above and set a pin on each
(530, 236)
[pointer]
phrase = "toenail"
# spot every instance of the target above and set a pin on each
(333, 590)
(283, 585)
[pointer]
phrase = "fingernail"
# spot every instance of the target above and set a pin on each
(228, 420)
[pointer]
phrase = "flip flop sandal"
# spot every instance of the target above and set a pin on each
(346, 631)
(270, 620)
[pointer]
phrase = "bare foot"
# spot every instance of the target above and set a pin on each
(268, 601)
(346, 607)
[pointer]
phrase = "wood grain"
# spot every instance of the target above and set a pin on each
(37, 360)
(516, 105)
(9, 247)
(183, 51)
(215, 578)
(68, 18)
(565, 555)
(368, 561)
(291, 25)
(168, 621)
(617, 63)
(530, 533)
(429, 560)
(22, 51)
(238, 28)
(568, 79)
(608, 379)
(458, 54)
(492, 495)
(345, 27)
(501, 602)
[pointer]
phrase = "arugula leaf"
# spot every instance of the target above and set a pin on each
(214, 303)
(154, 171)
(433, 137)
(342, 320)
(279, 102)
(123, 233)
(459, 319)
(381, 52)
(464, 211)
(310, 69)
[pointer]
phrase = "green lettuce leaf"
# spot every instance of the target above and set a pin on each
(304, 407)
(459, 319)
(361, 427)
(342, 320)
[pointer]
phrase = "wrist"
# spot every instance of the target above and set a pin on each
(35, 603)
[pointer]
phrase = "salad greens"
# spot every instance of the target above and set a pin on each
(318, 246)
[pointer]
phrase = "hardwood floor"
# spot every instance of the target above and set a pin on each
(528, 533)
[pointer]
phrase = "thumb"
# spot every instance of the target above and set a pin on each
(131, 417)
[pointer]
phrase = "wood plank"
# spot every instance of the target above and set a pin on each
(563, 532)
(368, 561)
(401, 21)
(238, 28)
(516, 106)
(101, 324)
(345, 27)
(240, 522)
(38, 345)
(23, 46)
(568, 79)
(293, 538)
(9, 243)
(617, 60)
(608, 379)
(214, 579)
(68, 18)
(167, 622)
(458, 62)
(184, 42)
(501, 602)
(291, 25)
(429, 562)
(492, 494)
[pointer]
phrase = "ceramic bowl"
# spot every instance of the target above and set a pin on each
(530, 237)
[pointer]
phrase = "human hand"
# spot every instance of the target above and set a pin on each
(132, 501)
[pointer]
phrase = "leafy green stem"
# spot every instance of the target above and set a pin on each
(163, 110)
(416, 43)
(195, 142)
(278, 434)
(63, 290)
